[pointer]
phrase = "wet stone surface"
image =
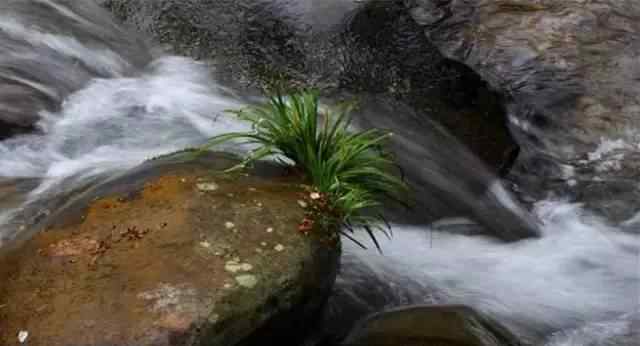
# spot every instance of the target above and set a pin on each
(162, 267)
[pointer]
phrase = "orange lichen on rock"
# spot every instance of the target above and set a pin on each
(148, 266)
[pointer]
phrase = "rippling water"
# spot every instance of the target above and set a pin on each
(104, 103)
(580, 280)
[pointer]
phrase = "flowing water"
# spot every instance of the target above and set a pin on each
(105, 102)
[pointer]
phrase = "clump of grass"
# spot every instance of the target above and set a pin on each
(351, 173)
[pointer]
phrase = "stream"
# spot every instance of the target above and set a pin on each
(106, 100)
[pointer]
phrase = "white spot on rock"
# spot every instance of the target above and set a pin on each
(167, 297)
(206, 187)
(22, 336)
(247, 281)
(234, 267)
(205, 244)
(606, 146)
(229, 225)
(302, 203)
(270, 230)
(279, 248)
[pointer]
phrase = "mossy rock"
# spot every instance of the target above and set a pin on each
(171, 253)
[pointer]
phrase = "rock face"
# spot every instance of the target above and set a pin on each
(240, 36)
(171, 253)
(568, 72)
(430, 325)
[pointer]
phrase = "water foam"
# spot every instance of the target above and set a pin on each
(580, 271)
(114, 124)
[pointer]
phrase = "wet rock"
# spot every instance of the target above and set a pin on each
(386, 52)
(243, 38)
(430, 325)
(132, 261)
(567, 71)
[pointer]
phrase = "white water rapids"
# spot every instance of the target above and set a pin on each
(577, 285)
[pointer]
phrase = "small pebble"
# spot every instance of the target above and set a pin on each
(247, 281)
(229, 225)
(205, 244)
(227, 286)
(264, 243)
(302, 203)
(270, 230)
(252, 189)
(279, 248)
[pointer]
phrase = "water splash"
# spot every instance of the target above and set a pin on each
(580, 271)
(114, 124)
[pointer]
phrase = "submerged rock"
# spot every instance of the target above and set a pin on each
(568, 72)
(430, 325)
(125, 264)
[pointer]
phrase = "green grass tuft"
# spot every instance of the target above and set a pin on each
(351, 172)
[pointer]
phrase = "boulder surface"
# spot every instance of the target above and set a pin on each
(431, 325)
(172, 253)
(568, 72)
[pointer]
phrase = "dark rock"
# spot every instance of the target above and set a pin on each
(244, 40)
(374, 47)
(446, 178)
(171, 253)
(567, 70)
(431, 325)
(386, 51)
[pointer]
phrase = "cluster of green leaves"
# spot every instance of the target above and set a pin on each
(351, 168)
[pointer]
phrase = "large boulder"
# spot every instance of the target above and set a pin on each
(171, 253)
(431, 325)
(375, 38)
(568, 72)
